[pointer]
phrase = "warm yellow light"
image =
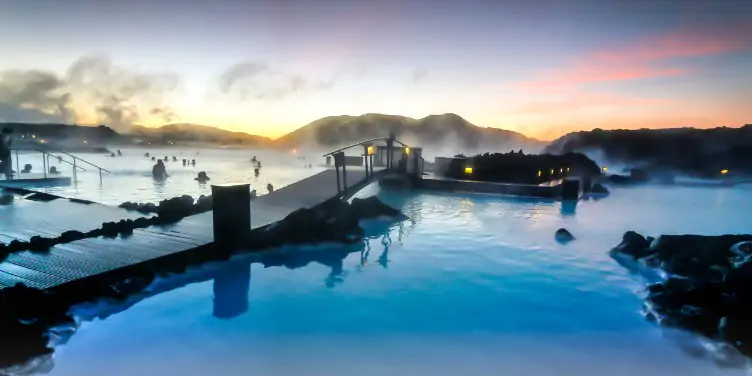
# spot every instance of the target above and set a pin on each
(294, 151)
(468, 170)
(724, 172)
(370, 150)
(540, 173)
(407, 150)
(552, 171)
(568, 169)
(561, 170)
(604, 169)
(33, 136)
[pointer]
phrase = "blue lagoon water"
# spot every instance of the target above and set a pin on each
(469, 285)
(130, 177)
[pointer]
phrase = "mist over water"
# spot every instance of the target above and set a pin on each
(131, 178)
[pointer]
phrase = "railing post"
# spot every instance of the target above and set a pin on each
(18, 166)
(339, 161)
(100, 176)
(44, 164)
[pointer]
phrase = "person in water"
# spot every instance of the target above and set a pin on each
(174, 158)
(159, 171)
(193, 162)
(119, 153)
(6, 163)
(202, 177)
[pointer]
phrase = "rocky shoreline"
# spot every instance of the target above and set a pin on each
(706, 285)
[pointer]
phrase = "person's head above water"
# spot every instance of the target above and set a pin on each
(202, 176)
(160, 163)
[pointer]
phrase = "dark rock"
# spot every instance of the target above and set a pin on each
(141, 222)
(71, 236)
(634, 244)
(372, 207)
(40, 244)
(563, 236)
(598, 189)
(110, 229)
(708, 292)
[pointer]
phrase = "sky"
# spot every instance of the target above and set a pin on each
(540, 67)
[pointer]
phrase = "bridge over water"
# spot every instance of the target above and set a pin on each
(85, 261)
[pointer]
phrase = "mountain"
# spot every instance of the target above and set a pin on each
(448, 132)
(698, 152)
(197, 134)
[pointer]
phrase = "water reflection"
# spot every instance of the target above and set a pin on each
(231, 291)
(568, 208)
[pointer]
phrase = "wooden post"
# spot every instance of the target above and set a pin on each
(232, 216)
(339, 161)
(570, 189)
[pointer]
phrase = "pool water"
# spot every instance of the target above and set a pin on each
(469, 285)
(130, 178)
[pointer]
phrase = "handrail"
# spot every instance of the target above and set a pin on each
(58, 158)
(46, 154)
(363, 143)
(85, 161)
(356, 144)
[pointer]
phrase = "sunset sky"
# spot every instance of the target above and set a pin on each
(540, 67)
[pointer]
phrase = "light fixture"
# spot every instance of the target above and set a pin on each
(369, 151)
(604, 169)
(407, 150)
(724, 172)
(469, 170)
(561, 170)
(552, 171)
(540, 173)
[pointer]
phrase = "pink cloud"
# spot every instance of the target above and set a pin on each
(647, 58)
(582, 100)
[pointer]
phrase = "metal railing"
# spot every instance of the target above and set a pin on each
(46, 155)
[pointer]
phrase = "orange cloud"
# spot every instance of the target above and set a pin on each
(644, 59)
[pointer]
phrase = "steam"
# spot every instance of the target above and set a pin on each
(112, 95)
(257, 80)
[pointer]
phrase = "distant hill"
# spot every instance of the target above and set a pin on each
(197, 134)
(71, 138)
(700, 152)
(448, 132)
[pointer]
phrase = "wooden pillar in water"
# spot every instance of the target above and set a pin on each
(232, 216)
(570, 189)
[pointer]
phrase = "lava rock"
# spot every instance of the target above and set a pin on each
(372, 207)
(634, 244)
(40, 244)
(563, 236)
(110, 229)
(71, 236)
(598, 189)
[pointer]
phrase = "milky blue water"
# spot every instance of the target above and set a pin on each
(470, 285)
(130, 178)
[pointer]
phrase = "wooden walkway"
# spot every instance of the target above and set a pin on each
(86, 258)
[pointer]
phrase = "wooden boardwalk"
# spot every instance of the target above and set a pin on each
(86, 258)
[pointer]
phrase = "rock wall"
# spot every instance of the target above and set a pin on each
(707, 289)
